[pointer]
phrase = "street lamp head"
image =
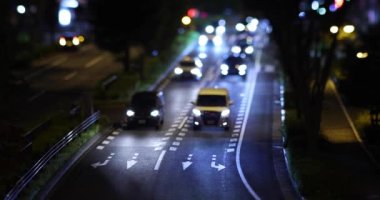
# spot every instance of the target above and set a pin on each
(186, 20)
(334, 29)
(349, 28)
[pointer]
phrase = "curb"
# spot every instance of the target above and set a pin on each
(44, 192)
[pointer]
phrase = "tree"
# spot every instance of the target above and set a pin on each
(151, 24)
(297, 38)
(7, 52)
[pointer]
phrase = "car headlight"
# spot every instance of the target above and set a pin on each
(202, 41)
(130, 113)
(242, 67)
(236, 49)
(62, 41)
(196, 72)
(225, 113)
(178, 71)
(154, 113)
(217, 40)
(198, 63)
(196, 112)
(224, 67)
(76, 41)
(249, 50)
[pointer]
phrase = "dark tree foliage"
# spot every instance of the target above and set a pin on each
(296, 38)
(150, 23)
(7, 52)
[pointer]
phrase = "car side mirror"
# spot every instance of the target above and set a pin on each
(192, 102)
(231, 102)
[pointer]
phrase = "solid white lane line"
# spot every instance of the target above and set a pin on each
(94, 61)
(250, 96)
(158, 163)
(69, 76)
(59, 61)
(183, 123)
(35, 96)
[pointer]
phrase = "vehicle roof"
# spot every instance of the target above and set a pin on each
(148, 93)
(213, 91)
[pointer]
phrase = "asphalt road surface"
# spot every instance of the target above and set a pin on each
(176, 162)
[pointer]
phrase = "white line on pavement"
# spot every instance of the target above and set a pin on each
(158, 163)
(251, 90)
(94, 61)
(70, 76)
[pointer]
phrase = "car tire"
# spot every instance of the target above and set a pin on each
(227, 128)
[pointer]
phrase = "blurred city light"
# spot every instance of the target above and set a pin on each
(315, 5)
(193, 12)
(222, 22)
(322, 11)
(186, 20)
(64, 17)
(301, 14)
(240, 27)
(334, 29)
(220, 30)
(338, 3)
(349, 28)
(209, 29)
(362, 55)
(69, 4)
(21, 9)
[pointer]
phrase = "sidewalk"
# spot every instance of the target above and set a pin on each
(346, 148)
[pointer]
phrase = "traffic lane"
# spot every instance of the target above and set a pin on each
(201, 168)
(77, 72)
(121, 168)
(140, 143)
(256, 151)
(203, 162)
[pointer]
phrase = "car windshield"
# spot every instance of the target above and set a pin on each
(187, 63)
(211, 100)
(232, 60)
(143, 99)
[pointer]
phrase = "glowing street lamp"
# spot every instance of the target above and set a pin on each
(186, 20)
(21, 9)
(334, 29)
(349, 28)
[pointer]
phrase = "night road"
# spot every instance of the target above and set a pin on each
(177, 162)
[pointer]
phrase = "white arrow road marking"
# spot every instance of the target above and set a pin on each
(186, 164)
(158, 148)
(130, 163)
(219, 166)
(213, 165)
(98, 164)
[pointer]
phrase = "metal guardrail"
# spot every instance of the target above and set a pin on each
(41, 163)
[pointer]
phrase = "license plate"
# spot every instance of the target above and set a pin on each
(142, 121)
(210, 122)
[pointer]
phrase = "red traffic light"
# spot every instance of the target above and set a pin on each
(338, 3)
(193, 12)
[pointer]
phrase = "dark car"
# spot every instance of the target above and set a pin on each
(243, 48)
(146, 108)
(70, 41)
(233, 65)
(188, 67)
